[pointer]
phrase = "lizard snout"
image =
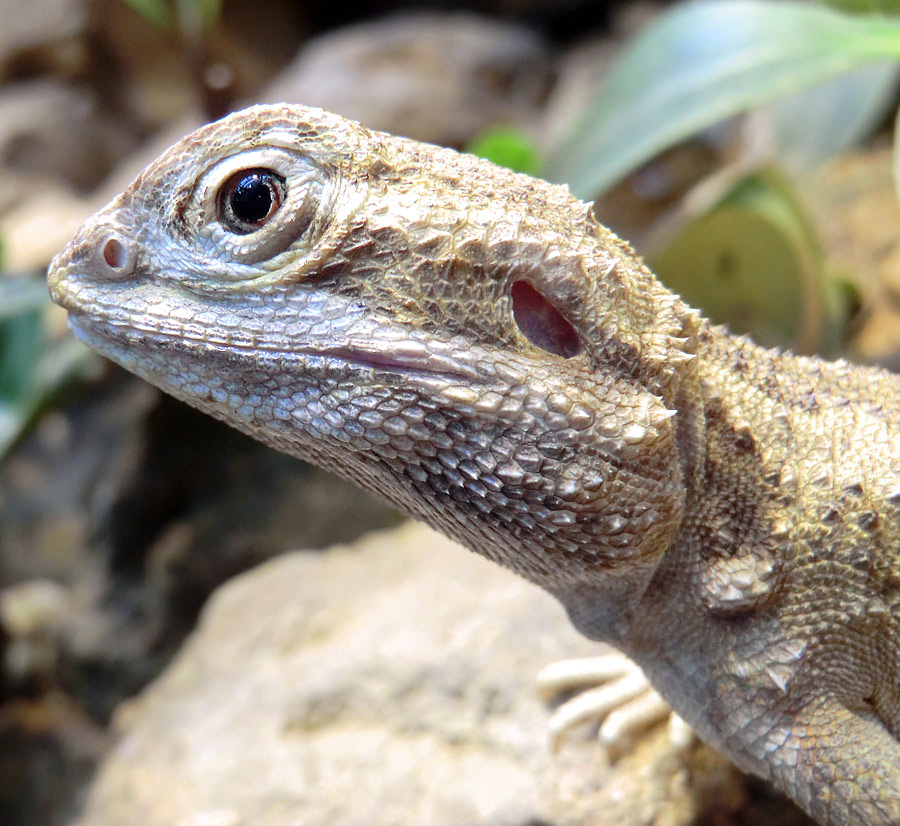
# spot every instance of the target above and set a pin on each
(98, 253)
(104, 254)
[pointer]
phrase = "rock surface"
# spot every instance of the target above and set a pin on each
(389, 682)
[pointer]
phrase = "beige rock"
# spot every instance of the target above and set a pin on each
(390, 682)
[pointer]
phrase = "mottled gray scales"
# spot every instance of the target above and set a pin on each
(727, 516)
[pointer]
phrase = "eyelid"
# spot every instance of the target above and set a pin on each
(209, 184)
(304, 186)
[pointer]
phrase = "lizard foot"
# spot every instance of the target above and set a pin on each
(613, 692)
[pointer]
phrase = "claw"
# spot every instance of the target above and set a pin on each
(614, 693)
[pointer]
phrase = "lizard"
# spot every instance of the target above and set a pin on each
(473, 346)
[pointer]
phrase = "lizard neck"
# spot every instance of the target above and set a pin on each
(606, 604)
(781, 452)
(725, 552)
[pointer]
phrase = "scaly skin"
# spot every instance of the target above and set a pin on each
(726, 515)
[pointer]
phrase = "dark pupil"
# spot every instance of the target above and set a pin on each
(252, 198)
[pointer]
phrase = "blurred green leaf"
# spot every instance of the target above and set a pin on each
(32, 367)
(21, 344)
(156, 11)
(507, 147)
(813, 126)
(866, 6)
(705, 61)
(754, 263)
(192, 16)
(195, 16)
(19, 294)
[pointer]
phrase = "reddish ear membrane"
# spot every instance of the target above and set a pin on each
(541, 323)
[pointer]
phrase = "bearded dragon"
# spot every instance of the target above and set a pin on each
(471, 345)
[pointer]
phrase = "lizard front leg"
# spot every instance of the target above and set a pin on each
(842, 766)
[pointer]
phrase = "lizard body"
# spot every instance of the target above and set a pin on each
(471, 345)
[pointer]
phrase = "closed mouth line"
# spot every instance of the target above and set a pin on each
(360, 358)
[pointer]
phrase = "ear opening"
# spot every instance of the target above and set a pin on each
(541, 323)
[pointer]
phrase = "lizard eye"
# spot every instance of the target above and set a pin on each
(254, 205)
(249, 199)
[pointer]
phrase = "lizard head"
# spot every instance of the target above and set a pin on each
(465, 341)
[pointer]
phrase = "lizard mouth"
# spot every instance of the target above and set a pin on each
(384, 360)
(110, 340)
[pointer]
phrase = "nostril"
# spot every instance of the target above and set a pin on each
(114, 253)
